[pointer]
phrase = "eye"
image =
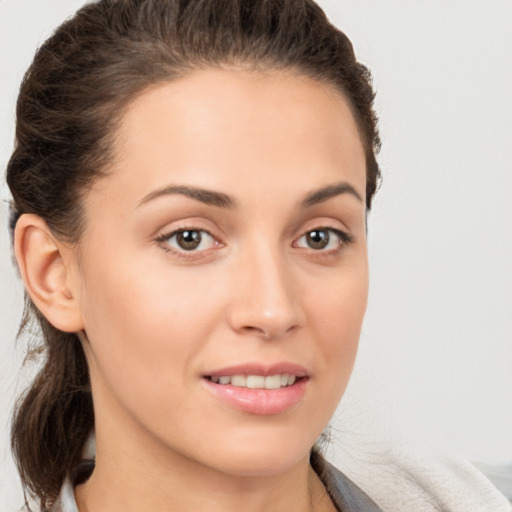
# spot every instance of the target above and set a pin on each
(188, 240)
(323, 239)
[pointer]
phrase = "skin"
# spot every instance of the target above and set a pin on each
(157, 318)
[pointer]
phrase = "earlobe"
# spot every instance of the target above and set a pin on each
(43, 265)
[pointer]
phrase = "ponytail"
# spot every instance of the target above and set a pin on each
(54, 418)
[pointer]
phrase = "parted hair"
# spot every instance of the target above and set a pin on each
(71, 100)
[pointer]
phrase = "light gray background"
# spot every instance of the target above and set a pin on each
(435, 363)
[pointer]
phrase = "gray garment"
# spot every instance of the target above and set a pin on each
(346, 496)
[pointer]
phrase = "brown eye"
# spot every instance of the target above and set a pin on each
(189, 240)
(317, 239)
(323, 239)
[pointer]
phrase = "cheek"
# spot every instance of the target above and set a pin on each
(143, 326)
(339, 304)
(131, 295)
(336, 314)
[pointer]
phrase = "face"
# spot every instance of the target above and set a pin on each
(223, 271)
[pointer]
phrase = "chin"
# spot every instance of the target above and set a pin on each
(267, 455)
(258, 466)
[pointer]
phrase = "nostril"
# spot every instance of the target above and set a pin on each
(269, 332)
(254, 330)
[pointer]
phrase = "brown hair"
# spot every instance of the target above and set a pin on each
(70, 101)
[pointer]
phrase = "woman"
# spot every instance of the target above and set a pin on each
(190, 186)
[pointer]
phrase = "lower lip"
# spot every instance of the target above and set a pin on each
(259, 401)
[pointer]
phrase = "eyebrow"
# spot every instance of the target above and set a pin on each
(222, 200)
(199, 194)
(325, 193)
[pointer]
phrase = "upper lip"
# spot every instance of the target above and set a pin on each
(261, 369)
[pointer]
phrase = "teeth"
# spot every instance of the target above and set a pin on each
(239, 381)
(273, 382)
(256, 381)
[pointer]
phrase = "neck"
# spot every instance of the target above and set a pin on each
(298, 489)
(124, 480)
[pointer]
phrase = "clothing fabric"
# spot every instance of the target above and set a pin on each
(346, 496)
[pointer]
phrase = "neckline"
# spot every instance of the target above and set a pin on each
(345, 494)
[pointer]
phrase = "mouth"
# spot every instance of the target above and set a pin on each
(258, 389)
(276, 381)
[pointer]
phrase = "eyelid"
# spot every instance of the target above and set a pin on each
(330, 225)
(344, 237)
(162, 240)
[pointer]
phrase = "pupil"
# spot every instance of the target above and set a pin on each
(189, 240)
(318, 239)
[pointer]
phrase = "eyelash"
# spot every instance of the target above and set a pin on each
(344, 239)
(162, 241)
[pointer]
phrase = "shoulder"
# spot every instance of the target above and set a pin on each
(401, 482)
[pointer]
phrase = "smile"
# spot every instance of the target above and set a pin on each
(259, 389)
(256, 381)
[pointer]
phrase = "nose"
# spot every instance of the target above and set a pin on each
(265, 302)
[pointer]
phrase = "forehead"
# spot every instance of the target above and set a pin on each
(234, 129)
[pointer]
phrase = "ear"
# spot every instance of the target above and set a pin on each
(46, 266)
